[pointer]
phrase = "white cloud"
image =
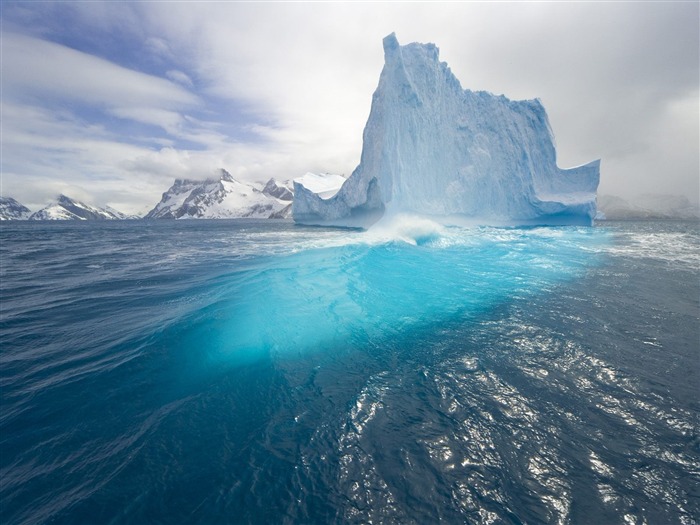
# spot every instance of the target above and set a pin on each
(47, 152)
(158, 46)
(180, 78)
(35, 67)
(170, 121)
(169, 164)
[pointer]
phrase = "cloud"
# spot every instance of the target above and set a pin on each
(38, 68)
(158, 46)
(170, 121)
(47, 152)
(180, 77)
(170, 164)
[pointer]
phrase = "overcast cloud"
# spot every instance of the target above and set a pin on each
(109, 102)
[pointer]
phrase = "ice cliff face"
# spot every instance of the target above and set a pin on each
(11, 210)
(66, 208)
(223, 198)
(432, 148)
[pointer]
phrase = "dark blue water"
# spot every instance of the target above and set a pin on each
(260, 372)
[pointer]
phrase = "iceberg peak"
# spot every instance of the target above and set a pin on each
(391, 44)
(431, 148)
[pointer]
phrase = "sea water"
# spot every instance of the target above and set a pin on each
(261, 372)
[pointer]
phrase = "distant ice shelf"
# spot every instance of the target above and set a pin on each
(432, 148)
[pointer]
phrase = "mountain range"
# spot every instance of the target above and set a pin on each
(64, 208)
(223, 197)
(226, 197)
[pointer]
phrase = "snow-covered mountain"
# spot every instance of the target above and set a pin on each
(647, 206)
(11, 210)
(66, 208)
(223, 198)
(432, 148)
(118, 214)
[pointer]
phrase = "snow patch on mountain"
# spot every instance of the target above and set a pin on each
(431, 148)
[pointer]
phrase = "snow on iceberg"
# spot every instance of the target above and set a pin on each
(432, 148)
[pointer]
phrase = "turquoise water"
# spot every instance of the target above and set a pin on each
(359, 289)
(262, 372)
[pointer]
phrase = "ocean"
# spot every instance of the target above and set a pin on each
(259, 372)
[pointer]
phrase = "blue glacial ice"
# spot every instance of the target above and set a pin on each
(431, 148)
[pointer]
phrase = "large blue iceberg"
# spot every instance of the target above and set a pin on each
(432, 148)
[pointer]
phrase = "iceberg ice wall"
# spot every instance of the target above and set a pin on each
(432, 148)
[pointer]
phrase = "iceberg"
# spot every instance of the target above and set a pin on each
(431, 148)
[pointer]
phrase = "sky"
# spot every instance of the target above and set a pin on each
(109, 102)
